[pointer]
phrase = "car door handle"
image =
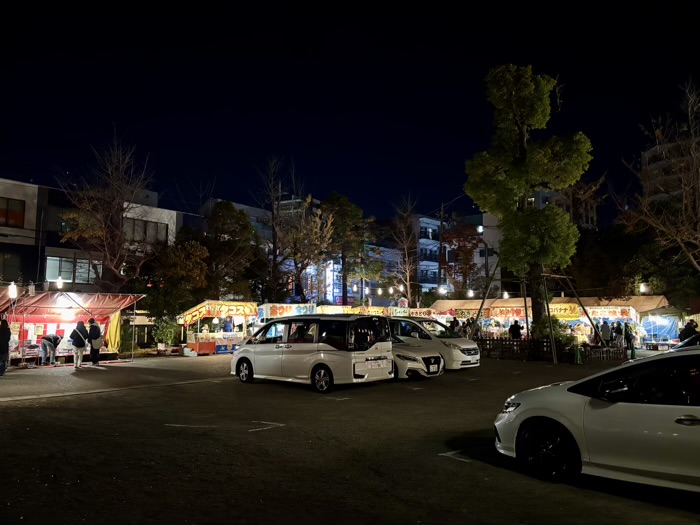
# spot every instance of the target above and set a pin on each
(688, 420)
(283, 346)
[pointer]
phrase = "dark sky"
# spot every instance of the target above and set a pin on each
(374, 105)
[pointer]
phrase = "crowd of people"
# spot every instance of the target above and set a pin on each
(82, 338)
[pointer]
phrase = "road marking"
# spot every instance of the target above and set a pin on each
(190, 426)
(104, 390)
(270, 423)
(518, 372)
(473, 379)
(453, 455)
(417, 388)
(335, 398)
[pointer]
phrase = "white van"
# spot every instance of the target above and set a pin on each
(457, 351)
(321, 350)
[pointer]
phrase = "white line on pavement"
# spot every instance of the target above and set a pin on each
(104, 390)
(417, 388)
(270, 423)
(518, 372)
(190, 426)
(335, 398)
(473, 379)
(453, 455)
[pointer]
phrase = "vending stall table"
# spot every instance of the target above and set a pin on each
(229, 326)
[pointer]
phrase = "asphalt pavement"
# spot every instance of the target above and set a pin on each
(178, 440)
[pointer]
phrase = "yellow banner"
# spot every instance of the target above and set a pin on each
(14, 327)
(466, 313)
(565, 311)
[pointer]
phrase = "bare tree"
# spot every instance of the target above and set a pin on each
(101, 207)
(405, 237)
(669, 204)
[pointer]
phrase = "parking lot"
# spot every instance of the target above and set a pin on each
(180, 441)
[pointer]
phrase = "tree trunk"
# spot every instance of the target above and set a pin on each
(298, 275)
(537, 293)
(344, 266)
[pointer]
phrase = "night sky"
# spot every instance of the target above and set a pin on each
(374, 105)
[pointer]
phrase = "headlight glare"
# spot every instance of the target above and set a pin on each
(509, 407)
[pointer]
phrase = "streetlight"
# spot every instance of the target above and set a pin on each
(59, 282)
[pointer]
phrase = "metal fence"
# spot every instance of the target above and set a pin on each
(541, 350)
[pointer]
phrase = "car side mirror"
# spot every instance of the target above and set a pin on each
(415, 334)
(615, 392)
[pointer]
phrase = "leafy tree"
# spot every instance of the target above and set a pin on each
(101, 206)
(173, 281)
(166, 330)
(463, 241)
(349, 236)
(669, 204)
(502, 179)
(308, 235)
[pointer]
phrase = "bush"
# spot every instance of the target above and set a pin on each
(560, 329)
(166, 330)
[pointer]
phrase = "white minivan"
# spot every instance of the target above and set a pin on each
(321, 350)
(456, 351)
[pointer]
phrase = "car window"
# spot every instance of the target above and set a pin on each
(333, 333)
(439, 330)
(302, 332)
(411, 327)
(403, 328)
(367, 331)
(272, 334)
(672, 381)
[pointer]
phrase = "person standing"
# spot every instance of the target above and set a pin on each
(515, 330)
(79, 337)
(5, 336)
(605, 333)
(629, 338)
(94, 339)
(49, 343)
(619, 336)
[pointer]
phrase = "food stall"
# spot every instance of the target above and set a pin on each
(230, 321)
(32, 315)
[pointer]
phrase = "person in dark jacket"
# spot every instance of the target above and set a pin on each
(689, 331)
(515, 330)
(5, 336)
(49, 343)
(79, 337)
(94, 340)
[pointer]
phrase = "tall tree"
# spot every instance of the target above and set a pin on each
(307, 233)
(669, 204)
(349, 231)
(463, 241)
(503, 179)
(405, 239)
(101, 205)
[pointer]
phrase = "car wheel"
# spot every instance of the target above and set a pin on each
(321, 379)
(548, 451)
(245, 371)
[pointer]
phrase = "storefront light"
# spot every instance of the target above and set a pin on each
(59, 282)
(12, 291)
(470, 293)
(506, 295)
(215, 320)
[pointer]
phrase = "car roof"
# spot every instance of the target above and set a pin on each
(407, 318)
(330, 317)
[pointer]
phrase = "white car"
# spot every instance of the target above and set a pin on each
(456, 351)
(411, 359)
(638, 422)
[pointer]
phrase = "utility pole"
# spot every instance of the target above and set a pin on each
(442, 218)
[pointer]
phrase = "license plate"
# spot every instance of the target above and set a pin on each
(433, 368)
(376, 364)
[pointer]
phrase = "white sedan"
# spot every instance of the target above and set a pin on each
(411, 359)
(638, 422)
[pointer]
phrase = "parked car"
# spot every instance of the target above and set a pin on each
(412, 359)
(321, 350)
(456, 351)
(637, 422)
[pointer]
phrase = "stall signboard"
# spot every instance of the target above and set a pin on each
(39, 329)
(333, 309)
(273, 311)
(565, 311)
(613, 312)
(466, 313)
(370, 310)
(15, 327)
(398, 312)
(219, 309)
(504, 313)
(421, 312)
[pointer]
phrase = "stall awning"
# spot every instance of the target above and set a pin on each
(57, 303)
(218, 309)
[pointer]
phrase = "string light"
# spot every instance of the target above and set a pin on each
(379, 291)
(354, 287)
(401, 287)
(391, 289)
(12, 291)
(59, 282)
(506, 295)
(366, 291)
(470, 293)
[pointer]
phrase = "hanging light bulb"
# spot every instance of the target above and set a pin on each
(12, 290)
(401, 287)
(59, 282)
(506, 295)
(366, 290)
(470, 293)
(354, 287)
(442, 291)
(31, 289)
(379, 291)
(391, 289)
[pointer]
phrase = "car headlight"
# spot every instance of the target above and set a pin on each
(509, 406)
(452, 346)
(407, 358)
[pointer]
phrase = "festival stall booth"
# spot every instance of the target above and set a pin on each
(230, 324)
(34, 315)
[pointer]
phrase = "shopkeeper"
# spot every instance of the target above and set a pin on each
(228, 325)
(49, 343)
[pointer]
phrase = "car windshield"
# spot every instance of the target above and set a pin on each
(691, 341)
(439, 330)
